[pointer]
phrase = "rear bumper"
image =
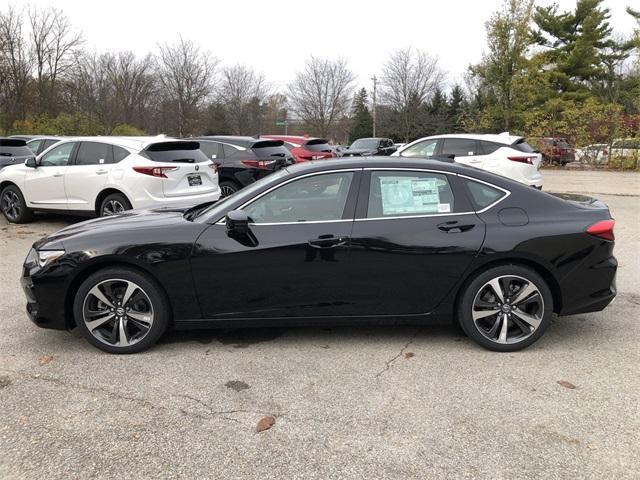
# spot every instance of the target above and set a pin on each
(592, 288)
(150, 201)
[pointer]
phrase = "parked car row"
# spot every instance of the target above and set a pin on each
(106, 176)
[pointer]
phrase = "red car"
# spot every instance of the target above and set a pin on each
(305, 149)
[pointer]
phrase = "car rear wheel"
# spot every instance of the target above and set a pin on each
(228, 188)
(121, 311)
(13, 205)
(506, 308)
(114, 204)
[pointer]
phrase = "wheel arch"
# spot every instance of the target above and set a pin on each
(106, 192)
(96, 266)
(544, 272)
(7, 183)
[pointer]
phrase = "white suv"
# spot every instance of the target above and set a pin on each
(108, 175)
(504, 154)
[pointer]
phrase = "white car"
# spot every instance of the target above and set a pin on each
(108, 175)
(503, 154)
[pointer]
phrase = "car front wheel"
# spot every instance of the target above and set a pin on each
(13, 205)
(121, 311)
(506, 308)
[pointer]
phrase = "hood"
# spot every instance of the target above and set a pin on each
(130, 228)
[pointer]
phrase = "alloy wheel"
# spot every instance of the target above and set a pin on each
(118, 312)
(508, 309)
(11, 205)
(226, 190)
(112, 207)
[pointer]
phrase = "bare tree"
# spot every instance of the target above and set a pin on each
(14, 68)
(133, 85)
(187, 78)
(321, 94)
(243, 93)
(408, 80)
(54, 43)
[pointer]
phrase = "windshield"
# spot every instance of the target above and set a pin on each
(219, 207)
(365, 143)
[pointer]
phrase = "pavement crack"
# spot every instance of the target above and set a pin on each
(388, 363)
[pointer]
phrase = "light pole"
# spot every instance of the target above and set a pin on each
(375, 89)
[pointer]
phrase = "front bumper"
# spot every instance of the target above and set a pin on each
(45, 294)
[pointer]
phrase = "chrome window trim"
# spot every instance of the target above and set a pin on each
(426, 215)
(491, 205)
(254, 199)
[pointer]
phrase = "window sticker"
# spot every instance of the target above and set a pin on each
(444, 208)
(402, 195)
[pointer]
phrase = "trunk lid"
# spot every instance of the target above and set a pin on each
(582, 201)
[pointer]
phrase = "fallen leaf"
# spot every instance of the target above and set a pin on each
(265, 423)
(24, 419)
(409, 355)
(136, 436)
(45, 359)
(566, 384)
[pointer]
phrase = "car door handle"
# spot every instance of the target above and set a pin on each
(329, 242)
(101, 172)
(58, 174)
(455, 227)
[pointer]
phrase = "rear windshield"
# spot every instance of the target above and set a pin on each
(181, 152)
(318, 145)
(15, 151)
(522, 146)
(270, 148)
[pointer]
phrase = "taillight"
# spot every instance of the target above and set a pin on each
(214, 166)
(263, 164)
(157, 172)
(602, 229)
(522, 159)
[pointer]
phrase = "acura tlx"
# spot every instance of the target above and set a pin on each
(339, 241)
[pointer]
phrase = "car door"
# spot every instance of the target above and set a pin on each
(414, 237)
(87, 174)
(44, 185)
(465, 150)
(294, 261)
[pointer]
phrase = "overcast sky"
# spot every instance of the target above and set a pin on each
(276, 36)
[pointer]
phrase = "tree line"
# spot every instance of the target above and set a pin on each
(546, 73)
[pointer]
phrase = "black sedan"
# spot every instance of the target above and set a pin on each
(370, 147)
(345, 240)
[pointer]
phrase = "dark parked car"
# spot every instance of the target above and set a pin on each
(39, 144)
(243, 160)
(415, 240)
(367, 147)
(554, 150)
(13, 151)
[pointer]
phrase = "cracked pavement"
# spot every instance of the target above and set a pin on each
(347, 401)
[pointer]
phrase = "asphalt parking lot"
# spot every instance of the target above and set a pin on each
(368, 402)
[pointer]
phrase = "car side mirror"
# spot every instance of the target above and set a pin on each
(237, 223)
(31, 162)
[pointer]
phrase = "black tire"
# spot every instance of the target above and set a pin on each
(474, 301)
(149, 294)
(13, 205)
(228, 187)
(113, 204)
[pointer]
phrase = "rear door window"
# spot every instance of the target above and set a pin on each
(393, 194)
(93, 153)
(460, 147)
(175, 152)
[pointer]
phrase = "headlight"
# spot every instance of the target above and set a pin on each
(32, 258)
(45, 257)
